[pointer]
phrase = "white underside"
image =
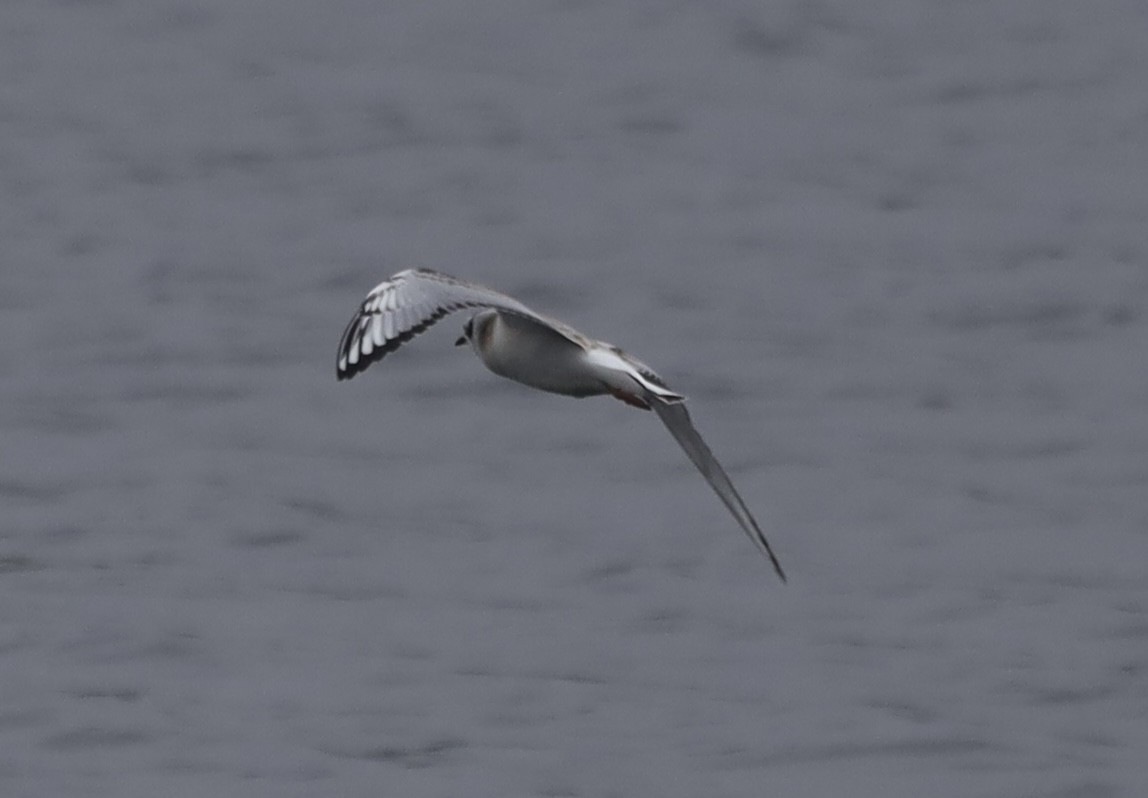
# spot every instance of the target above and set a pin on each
(525, 352)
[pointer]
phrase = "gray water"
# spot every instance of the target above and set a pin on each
(893, 252)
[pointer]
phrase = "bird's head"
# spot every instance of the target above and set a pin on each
(479, 330)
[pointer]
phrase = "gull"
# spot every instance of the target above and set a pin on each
(515, 342)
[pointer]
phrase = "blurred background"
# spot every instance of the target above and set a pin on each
(893, 251)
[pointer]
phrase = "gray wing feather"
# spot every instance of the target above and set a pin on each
(410, 302)
(677, 420)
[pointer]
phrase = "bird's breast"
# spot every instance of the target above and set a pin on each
(532, 354)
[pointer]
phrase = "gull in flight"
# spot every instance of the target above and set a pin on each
(515, 342)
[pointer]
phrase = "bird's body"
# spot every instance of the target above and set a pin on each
(536, 354)
(515, 342)
(521, 349)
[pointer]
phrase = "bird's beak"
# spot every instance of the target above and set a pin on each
(461, 341)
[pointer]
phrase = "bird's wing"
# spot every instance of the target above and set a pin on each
(397, 310)
(677, 420)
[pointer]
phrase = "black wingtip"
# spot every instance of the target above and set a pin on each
(776, 563)
(780, 572)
